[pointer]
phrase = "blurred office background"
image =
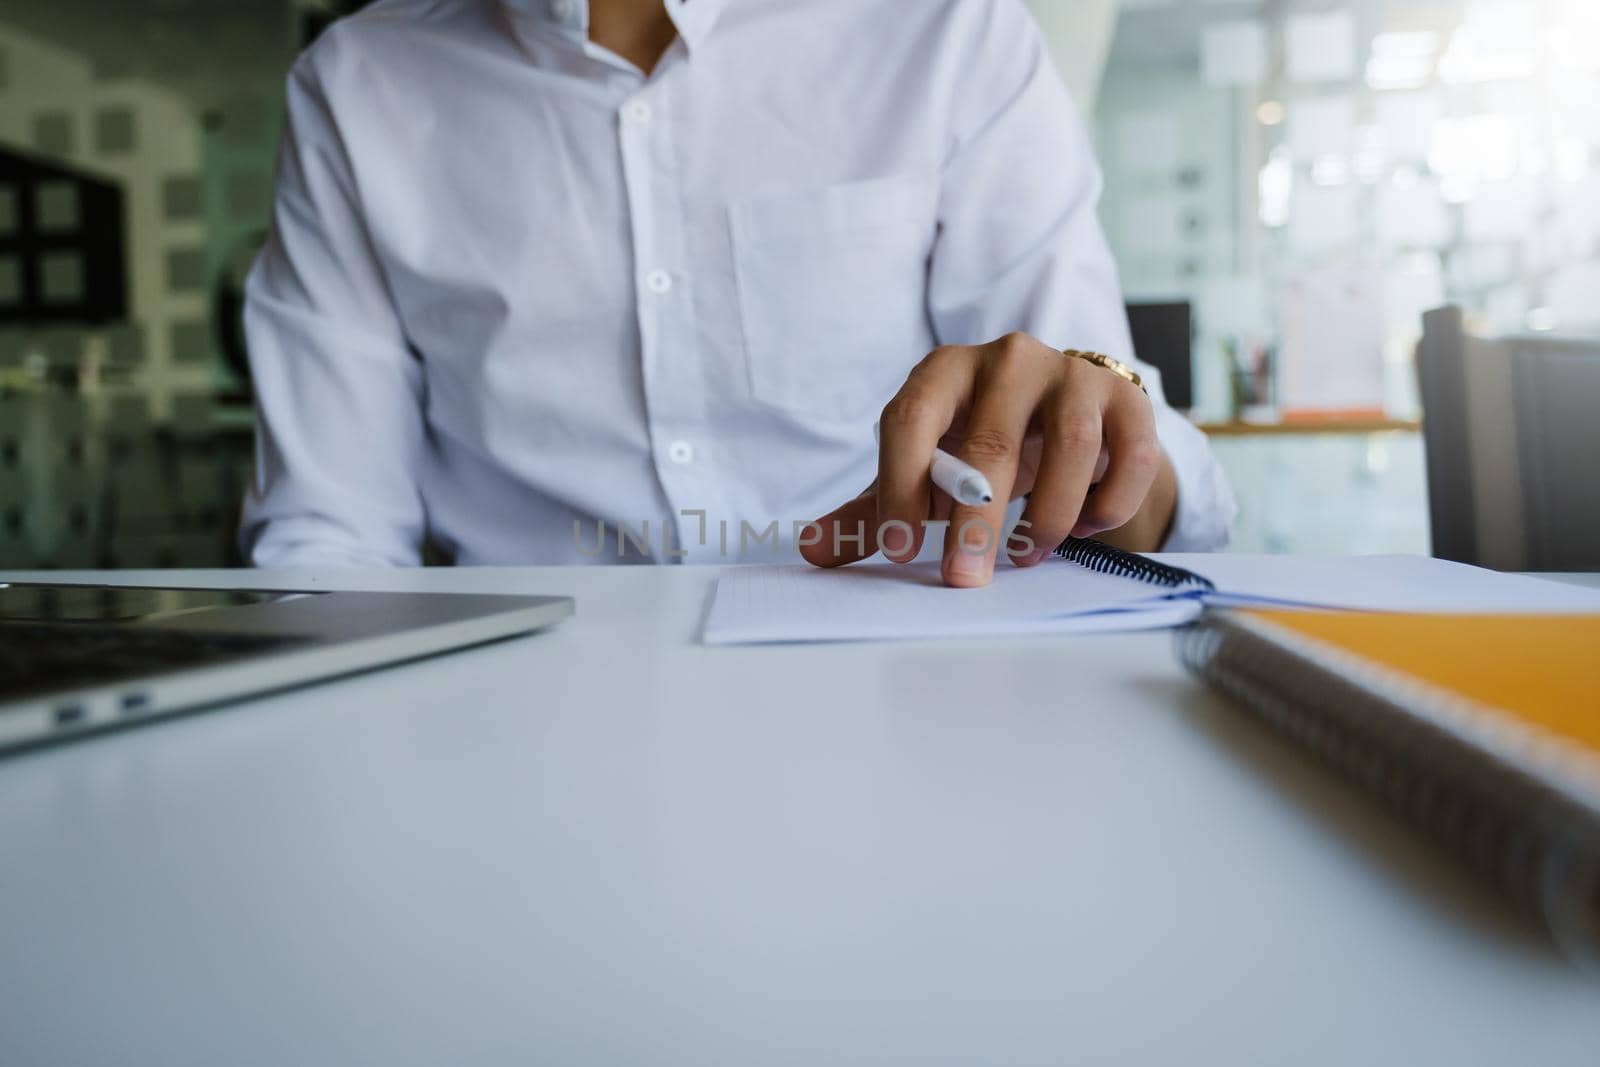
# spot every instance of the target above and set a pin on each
(1290, 184)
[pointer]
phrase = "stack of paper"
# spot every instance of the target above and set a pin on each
(880, 601)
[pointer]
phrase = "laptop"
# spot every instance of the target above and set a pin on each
(79, 659)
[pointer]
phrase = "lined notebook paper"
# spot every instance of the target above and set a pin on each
(878, 601)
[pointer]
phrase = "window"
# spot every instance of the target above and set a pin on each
(61, 277)
(10, 281)
(182, 198)
(114, 131)
(186, 270)
(55, 207)
(52, 133)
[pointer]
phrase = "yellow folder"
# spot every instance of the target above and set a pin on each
(1543, 670)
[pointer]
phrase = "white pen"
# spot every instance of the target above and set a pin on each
(964, 482)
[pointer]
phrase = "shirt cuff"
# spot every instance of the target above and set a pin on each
(1206, 508)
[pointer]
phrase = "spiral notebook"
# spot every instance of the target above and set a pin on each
(1093, 587)
(1482, 731)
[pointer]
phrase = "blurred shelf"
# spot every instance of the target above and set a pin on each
(1330, 426)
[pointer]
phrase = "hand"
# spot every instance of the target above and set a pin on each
(1078, 440)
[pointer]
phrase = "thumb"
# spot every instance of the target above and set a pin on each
(847, 534)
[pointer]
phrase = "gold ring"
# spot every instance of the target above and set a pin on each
(1115, 366)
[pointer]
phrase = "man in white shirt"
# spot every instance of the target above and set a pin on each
(608, 280)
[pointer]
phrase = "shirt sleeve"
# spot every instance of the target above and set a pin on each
(339, 438)
(1020, 246)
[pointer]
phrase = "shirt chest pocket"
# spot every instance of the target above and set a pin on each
(832, 287)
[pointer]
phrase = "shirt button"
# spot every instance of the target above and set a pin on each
(638, 111)
(680, 452)
(658, 281)
(562, 10)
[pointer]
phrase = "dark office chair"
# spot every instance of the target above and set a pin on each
(1513, 447)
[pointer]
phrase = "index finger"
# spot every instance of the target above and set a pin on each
(908, 432)
(1001, 413)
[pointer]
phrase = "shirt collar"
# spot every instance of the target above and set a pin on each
(570, 18)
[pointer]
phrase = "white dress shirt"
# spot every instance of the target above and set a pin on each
(516, 289)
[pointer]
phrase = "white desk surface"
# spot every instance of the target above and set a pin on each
(607, 844)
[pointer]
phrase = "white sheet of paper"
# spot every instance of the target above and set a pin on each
(879, 601)
(1333, 339)
(1381, 583)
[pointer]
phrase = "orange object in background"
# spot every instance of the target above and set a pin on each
(1319, 416)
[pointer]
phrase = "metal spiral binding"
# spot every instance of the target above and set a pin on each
(1108, 559)
(1540, 848)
